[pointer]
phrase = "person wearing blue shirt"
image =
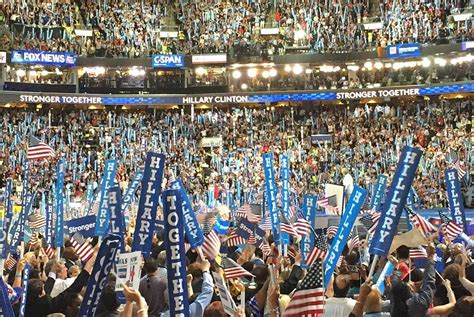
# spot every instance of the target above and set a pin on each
(196, 308)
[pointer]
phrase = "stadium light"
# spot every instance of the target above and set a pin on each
(287, 68)
(33, 73)
(200, 71)
(378, 65)
(272, 72)
(308, 71)
(297, 69)
(368, 65)
(252, 72)
(440, 61)
(353, 68)
(244, 86)
(425, 62)
(265, 74)
(236, 74)
(20, 73)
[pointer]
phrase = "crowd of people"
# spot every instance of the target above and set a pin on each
(366, 141)
(133, 28)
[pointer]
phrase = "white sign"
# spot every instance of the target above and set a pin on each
(3, 57)
(227, 302)
(209, 59)
(211, 142)
(83, 32)
(269, 31)
(128, 270)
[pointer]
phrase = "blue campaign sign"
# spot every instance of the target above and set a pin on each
(354, 205)
(44, 58)
(395, 201)
(404, 50)
(84, 225)
(379, 190)
(456, 206)
(271, 195)
(167, 61)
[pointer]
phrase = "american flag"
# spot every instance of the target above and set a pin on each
(266, 224)
(418, 253)
(265, 247)
(375, 222)
(451, 228)
(328, 202)
(233, 270)
(245, 211)
(34, 239)
(208, 222)
(82, 247)
(38, 150)
(10, 262)
(211, 245)
(234, 239)
(308, 299)
(36, 220)
(331, 232)
(252, 239)
(353, 242)
(287, 227)
(459, 166)
(420, 222)
(319, 251)
(302, 227)
(48, 249)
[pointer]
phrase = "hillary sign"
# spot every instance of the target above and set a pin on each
(167, 61)
(395, 201)
(453, 187)
(148, 205)
(44, 58)
(353, 207)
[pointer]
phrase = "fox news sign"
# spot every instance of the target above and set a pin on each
(44, 58)
(167, 61)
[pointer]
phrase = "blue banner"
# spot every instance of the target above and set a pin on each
(221, 226)
(404, 50)
(387, 271)
(117, 221)
(285, 193)
(48, 232)
(309, 212)
(167, 61)
(17, 230)
(131, 190)
(43, 58)
(84, 225)
(7, 203)
(59, 226)
(395, 201)
(271, 194)
(98, 278)
(24, 284)
(6, 308)
(245, 228)
(453, 187)
(191, 225)
(24, 203)
(175, 253)
(353, 208)
(103, 216)
(379, 191)
(147, 207)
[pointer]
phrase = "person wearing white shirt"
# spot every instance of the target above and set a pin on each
(339, 305)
